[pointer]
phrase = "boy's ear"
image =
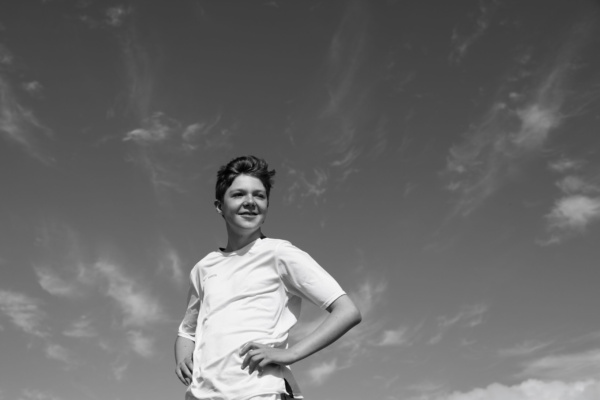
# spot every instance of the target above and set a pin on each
(217, 204)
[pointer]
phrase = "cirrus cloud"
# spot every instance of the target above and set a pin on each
(19, 125)
(23, 311)
(575, 366)
(528, 390)
(516, 127)
(574, 213)
(319, 373)
(138, 306)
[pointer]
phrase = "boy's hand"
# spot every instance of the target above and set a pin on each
(258, 356)
(184, 369)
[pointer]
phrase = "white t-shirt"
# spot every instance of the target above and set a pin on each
(249, 295)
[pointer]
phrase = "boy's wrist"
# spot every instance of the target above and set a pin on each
(295, 354)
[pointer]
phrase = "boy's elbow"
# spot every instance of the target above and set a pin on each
(356, 316)
(346, 309)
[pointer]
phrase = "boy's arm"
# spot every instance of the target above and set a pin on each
(184, 364)
(184, 344)
(343, 315)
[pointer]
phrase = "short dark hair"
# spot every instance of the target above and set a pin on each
(245, 165)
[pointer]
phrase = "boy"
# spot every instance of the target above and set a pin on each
(243, 300)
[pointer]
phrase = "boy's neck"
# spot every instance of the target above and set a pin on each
(236, 242)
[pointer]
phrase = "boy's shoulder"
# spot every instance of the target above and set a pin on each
(262, 245)
(274, 242)
(279, 246)
(283, 247)
(209, 258)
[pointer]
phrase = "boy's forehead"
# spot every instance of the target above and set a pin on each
(246, 182)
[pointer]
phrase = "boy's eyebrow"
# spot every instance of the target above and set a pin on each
(244, 190)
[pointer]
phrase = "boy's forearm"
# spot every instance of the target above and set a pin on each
(343, 316)
(183, 348)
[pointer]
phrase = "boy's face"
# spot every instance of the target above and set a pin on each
(244, 205)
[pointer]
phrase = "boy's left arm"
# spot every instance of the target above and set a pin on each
(343, 315)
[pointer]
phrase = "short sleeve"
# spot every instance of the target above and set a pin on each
(303, 276)
(187, 328)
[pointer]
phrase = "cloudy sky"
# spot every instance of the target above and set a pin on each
(440, 159)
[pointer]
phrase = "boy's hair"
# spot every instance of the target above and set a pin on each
(245, 165)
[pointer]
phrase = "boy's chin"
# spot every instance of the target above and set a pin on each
(248, 228)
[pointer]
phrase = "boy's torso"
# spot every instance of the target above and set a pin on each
(244, 300)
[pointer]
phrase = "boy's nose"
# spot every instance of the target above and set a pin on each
(248, 203)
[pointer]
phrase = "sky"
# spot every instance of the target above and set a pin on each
(440, 159)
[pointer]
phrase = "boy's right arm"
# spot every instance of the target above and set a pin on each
(184, 351)
(184, 344)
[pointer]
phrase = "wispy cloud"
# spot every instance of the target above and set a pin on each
(156, 128)
(164, 147)
(306, 187)
(34, 88)
(572, 215)
(19, 125)
(346, 162)
(24, 312)
(462, 41)
(167, 150)
(170, 263)
(340, 119)
(138, 306)
(528, 390)
(345, 127)
(210, 135)
(163, 175)
(6, 56)
(468, 317)
(427, 390)
(345, 57)
(537, 121)
(115, 15)
(141, 344)
(478, 167)
(367, 297)
(81, 328)
(565, 164)
(573, 184)
(54, 284)
(319, 373)
(341, 113)
(75, 277)
(573, 366)
(401, 336)
(140, 65)
(579, 206)
(59, 353)
(524, 349)
(513, 129)
(60, 264)
(33, 394)
(119, 368)
(354, 343)
(593, 336)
